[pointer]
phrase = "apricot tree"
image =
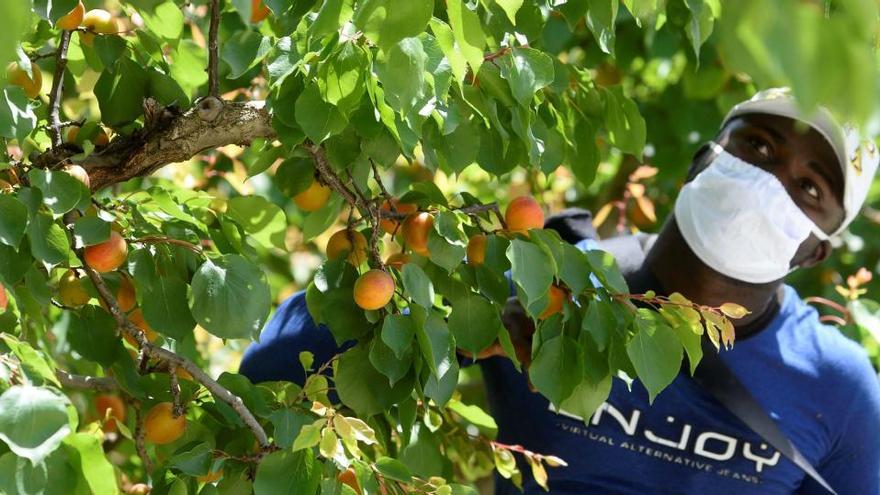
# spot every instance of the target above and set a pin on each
(164, 159)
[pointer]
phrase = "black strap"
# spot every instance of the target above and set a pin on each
(717, 379)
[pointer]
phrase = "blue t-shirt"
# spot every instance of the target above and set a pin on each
(818, 385)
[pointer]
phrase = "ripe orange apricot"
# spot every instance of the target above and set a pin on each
(389, 225)
(125, 295)
(313, 198)
(416, 228)
(397, 260)
(136, 317)
(72, 19)
(476, 249)
(3, 299)
(78, 173)
(259, 11)
(160, 425)
(373, 289)
(117, 410)
(557, 297)
(72, 290)
(108, 255)
(524, 213)
(100, 139)
(30, 84)
(97, 21)
(341, 243)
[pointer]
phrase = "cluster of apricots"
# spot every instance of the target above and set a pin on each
(375, 288)
(161, 426)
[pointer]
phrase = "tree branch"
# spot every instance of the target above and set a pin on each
(101, 384)
(168, 137)
(213, 82)
(174, 361)
(57, 88)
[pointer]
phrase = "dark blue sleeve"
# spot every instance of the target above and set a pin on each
(291, 331)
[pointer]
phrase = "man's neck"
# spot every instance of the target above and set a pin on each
(677, 269)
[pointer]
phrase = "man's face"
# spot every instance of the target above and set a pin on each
(801, 159)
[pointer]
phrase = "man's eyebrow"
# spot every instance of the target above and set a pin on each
(778, 136)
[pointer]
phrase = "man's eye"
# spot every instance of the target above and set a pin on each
(810, 188)
(761, 147)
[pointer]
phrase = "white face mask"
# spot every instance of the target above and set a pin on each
(740, 221)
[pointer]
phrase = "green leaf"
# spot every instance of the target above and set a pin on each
(120, 91)
(398, 332)
(331, 16)
(655, 352)
(625, 125)
(343, 317)
(440, 389)
(89, 231)
(527, 70)
(475, 323)
(363, 388)
(393, 469)
(586, 398)
(866, 314)
(601, 17)
(385, 22)
(86, 455)
(309, 435)
(341, 77)
(318, 119)
(188, 68)
(48, 241)
(288, 423)
(390, 363)
(243, 51)
(418, 285)
(467, 32)
(510, 8)
(35, 367)
(52, 10)
(574, 270)
(573, 11)
(690, 340)
(33, 421)
(163, 298)
(165, 19)
(444, 253)
(109, 48)
(13, 263)
(605, 268)
(230, 297)
(17, 117)
(263, 220)
(476, 416)
(552, 368)
(446, 40)
(293, 473)
(61, 192)
(529, 268)
(402, 74)
(436, 343)
(13, 220)
(319, 221)
(92, 333)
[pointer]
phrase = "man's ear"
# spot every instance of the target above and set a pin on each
(702, 157)
(818, 255)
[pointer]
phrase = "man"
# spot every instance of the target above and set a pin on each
(761, 200)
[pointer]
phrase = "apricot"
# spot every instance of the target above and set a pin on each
(313, 198)
(259, 11)
(476, 249)
(160, 425)
(100, 139)
(557, 298)
(78, 173)
(373, 289)
(30, 84)
(397, 260)
(416, 228)
(72, 19)
(116, 407)
(125, 295)
(137, 319)
(97, 21)
(341, 243)
(524, 213)
(72, 290)
(4, 301)
(389, 225)
(108, 255)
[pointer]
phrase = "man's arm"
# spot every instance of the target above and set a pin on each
(853, 466)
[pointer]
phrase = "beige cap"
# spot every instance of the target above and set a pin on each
(858, 158)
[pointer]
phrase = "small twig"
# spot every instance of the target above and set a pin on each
(378, 180)
(828, 302)
(57, 88)
(177, 409)
(139, 437)
(328, 177)
(99, 383)
(833, 319)
(213, 55)
(500, 53)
